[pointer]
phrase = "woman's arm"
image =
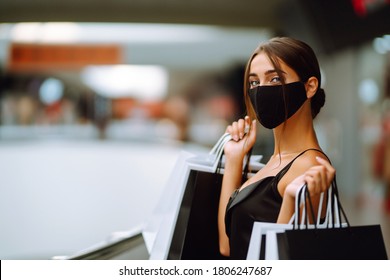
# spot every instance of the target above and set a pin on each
(318, 179)
(235, 152)
(231, 181)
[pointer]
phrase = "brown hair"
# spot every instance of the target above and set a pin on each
(297, 55)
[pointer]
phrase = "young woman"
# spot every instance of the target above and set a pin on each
(282, 91)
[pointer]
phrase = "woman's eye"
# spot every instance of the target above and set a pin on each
(254, 83)
(275, 80)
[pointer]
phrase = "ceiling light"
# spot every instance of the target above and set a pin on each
(143, 82)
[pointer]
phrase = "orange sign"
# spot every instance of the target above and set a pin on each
(39, 56)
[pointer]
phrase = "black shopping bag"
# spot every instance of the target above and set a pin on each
(348, 243)
(363, 242)
(196, 231)
(263, 244)
(195, 235)
(184, 224)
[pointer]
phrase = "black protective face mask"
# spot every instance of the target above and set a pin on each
(270, 106)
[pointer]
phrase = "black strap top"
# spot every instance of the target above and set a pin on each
(260, 201)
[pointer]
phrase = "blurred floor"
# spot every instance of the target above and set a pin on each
(61, 196)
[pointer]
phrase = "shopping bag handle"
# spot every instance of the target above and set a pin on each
(299, 200)
(216, 153)
(336, 209)
(334, 215)
(217, 150)
(341, 212)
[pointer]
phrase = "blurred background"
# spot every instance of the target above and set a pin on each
(98, 98)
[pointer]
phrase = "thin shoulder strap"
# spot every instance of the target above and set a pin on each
(311, 149)
(287, 167)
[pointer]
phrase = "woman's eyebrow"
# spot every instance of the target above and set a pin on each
(272, 71)
(268, 72)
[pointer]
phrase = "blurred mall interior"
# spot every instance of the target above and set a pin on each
(98, 99)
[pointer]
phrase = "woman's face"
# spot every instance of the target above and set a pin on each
(263, 73)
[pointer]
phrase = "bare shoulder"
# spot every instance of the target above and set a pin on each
(307, 160)
(300, 166)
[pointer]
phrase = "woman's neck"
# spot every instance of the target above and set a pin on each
(295, 136)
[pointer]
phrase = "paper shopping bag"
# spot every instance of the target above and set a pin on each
(348, 243)
(158, 230)
(333, 242)
(195, 234)
(263, 244)
(190, 203)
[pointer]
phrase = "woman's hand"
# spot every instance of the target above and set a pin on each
(243, 133)
(318, 179)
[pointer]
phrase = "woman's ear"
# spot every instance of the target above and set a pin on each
(311, 87)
